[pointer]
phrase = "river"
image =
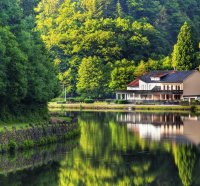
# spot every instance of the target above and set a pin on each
(114, 149)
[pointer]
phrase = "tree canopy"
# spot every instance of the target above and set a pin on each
(113, 31)
(28, 75)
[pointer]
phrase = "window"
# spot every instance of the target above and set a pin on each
(167, 87)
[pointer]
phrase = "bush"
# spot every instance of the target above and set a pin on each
(52, 139)
(12, 145)
(193, 108)
(70, 100)
(121, 101)
(110, 101)
(185, 103)
(27, 144)
(195, 102)
(79, 99)
(72, 134)
(58, 100)
(88, 101)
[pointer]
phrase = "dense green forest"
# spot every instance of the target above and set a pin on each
(101, 45)
(98, 46)
(27, 72)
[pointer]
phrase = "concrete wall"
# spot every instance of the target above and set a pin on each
(191, 85)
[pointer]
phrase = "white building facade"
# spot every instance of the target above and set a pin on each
(163, 86)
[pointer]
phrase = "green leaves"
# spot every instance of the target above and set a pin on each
(91, 78)
(27, 74)
(112, 31)
(183, 54)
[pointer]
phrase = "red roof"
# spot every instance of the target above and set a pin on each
(134, 83)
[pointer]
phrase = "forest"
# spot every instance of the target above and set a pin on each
(93, 47)
(28, 75)
(101, 45)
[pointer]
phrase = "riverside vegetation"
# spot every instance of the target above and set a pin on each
(36, 135)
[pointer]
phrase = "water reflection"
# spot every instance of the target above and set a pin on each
(163, 126)
(34, 167)
(111, 152)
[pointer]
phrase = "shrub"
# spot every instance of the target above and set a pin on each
(184, 103)
(110, 101)
(27, 144)
(58, 100)
(52, 139)
(121, 101)
(88, 101)
(12, 145)
(70, 100)
(79, 99)
(195, 102)
(72, 134)
(193, 108)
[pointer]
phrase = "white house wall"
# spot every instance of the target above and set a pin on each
(147, 86)
(133, 88)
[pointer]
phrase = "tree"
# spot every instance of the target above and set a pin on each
(28, 75)
(122, 74)
(92, 78)
(183, 54)
(119, 11)
(141, 69)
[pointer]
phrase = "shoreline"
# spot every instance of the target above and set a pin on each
(120, 107)
(35, 136)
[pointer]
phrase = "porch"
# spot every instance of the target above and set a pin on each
(149, 95)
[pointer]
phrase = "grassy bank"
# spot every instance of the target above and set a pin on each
(36, 135)
(106, 106)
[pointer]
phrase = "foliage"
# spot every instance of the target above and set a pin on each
(28, 75)
(185, 161)
(121, 101)
(117, 40)
(183, 54)
(91, 77)
(122, 74)
(88, 101)
(12, 145)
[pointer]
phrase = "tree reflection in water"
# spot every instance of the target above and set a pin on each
(108, 154)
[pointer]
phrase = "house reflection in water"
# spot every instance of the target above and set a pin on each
(164, 126)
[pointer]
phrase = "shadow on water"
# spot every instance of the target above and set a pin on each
(119, 149)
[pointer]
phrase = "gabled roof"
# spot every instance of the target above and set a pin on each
(134, 83)
(166, 76)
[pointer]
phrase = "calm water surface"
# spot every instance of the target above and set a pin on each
(114, 149)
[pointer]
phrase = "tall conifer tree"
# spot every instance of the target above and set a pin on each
(184, 50)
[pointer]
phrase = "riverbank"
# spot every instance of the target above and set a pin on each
(105, 106)
(36, 135)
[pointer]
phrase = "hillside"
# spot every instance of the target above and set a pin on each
(101, 45)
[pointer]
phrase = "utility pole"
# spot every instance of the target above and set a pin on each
(65, 92)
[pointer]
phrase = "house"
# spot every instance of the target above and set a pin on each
(163, 86)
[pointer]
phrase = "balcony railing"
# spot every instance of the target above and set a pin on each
(151, 91)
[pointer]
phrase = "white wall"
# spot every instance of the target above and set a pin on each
(147, 86)
(144, 86)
